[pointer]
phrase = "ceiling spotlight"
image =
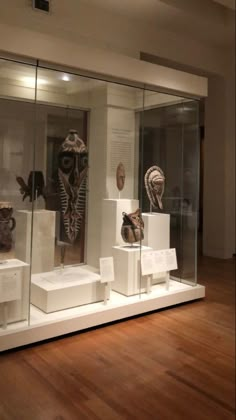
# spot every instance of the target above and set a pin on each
(66, 78)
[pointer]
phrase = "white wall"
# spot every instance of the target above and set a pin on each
(80, 21)
(219, 165)
(88, 25)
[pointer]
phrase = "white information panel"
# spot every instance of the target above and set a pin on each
(159, 258)
(10, 285)
(106, 269)
(171, 261)
(147, 263)
(158, 261)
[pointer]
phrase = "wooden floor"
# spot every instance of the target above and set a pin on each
(173, 364)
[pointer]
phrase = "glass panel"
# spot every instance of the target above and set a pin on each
(17, 129)
(17, 80)
(87, 156)
(93, 176)
(169, 192)
(53, 126)
(190, 205)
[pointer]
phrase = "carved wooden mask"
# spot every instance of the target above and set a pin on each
(72, 171)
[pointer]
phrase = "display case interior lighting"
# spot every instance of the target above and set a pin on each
(30, 81)
(65, 78)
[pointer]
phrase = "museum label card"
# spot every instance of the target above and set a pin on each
(171, 261)
(10, 285)
(107, 269)
(147, 263)
(160, 261)
(165, 260)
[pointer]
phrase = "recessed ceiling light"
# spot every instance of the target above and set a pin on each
(66, 78)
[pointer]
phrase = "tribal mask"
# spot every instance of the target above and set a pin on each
(155, 184)
(120, 176)
(72, 171)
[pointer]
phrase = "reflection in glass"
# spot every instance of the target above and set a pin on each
(170, 140)
(16, 160)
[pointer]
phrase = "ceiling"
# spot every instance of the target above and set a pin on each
(210, 21)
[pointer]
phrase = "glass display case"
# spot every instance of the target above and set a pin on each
(98, 197)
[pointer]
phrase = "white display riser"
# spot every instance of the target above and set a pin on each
(45, 326)
(66, 288)
(15, 309)
(112, 219)
(157, 236)
(127, 269)
(43, 246)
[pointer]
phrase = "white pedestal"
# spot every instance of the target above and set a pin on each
(67, 288)
(14, 291)
(157, 236)
(127, 270)
(112, 221)
(43, 239)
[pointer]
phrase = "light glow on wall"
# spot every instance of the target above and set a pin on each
(30, 81)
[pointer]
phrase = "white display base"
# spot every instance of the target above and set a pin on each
(14, 291)
(127, 269)
(112, 221)
(65, 288)
(45, 326)
(43, 239)
(157, 236)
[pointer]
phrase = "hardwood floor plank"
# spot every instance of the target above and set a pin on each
(178, 364)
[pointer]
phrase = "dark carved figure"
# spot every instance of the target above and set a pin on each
(155, 184)
(132, 227)
(72, 171)
(120, 176)
(35, 186)
(7, 224)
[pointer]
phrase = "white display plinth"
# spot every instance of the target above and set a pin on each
(14, 291)
(127, 269)
(66, 288)
(43, 246)
(157, 236)
(112, 221)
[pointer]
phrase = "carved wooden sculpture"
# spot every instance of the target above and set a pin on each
(132, 227)
(154, 180)
(7, 224)
(72, 171)
(120, 176)
(34, 187)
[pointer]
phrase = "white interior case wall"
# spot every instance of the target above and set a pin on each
(43, 245)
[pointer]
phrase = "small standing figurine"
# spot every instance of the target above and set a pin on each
(34, 187)
(120, 176)
(154, 180)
